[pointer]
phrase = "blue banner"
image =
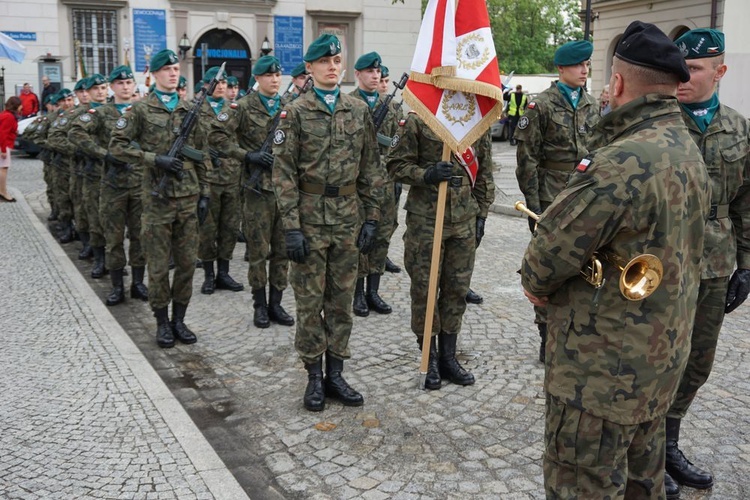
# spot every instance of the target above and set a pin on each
(22, 36)
(288, 41)
(149, 35)
(223, 53)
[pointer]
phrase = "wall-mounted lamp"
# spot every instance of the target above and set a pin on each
(265, 47)
(184, 45)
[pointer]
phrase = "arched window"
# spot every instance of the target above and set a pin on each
(224, 46)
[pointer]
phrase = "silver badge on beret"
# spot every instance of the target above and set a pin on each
(279, 137)
(523, 122)
(85, 118)
(222, 117)
(332, 47)
(121, 123)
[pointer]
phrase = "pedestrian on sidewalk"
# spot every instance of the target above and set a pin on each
(8, 133)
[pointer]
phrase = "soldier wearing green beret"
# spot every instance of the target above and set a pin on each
(553, 135)
(299, 78)
(385, 78)
(78, 163)
(614, 358)
(144, 135)
(36, 133)
(182, 88)
(328, 184)
(218, 233)
(723, 136)
(233, 87)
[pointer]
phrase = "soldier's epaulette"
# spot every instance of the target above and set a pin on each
(233, 105)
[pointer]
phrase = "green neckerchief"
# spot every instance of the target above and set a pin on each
(95, 105)
(703, 112)
(216, 104)
(328, 97)
(371, 98)
(573, 95)
(122, 107)
(168, 99)
(271, 104)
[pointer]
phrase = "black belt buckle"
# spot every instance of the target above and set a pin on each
(713, 212)
(331, 191)
(456, 181)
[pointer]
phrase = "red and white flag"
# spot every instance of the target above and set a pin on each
(455, 81)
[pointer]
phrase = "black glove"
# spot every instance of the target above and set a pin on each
(439, 172)
(739, 287)
(259, 159)
(480, 229)
(203, 204)
(215, 158)
(366, 239)
(169, 164)
(297, 248)
(111, 160)
(398, 189)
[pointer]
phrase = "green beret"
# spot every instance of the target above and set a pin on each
(572, 53)
(370, 60)
(241, 93)
(182, 83)
(325, 45)
(80, 84)
(299, 70)
(121, 73)
(384, 73)
(701, 42)
(162, 58)
(213, 72)
(48, 99)
(266, 64)
(93, 80)
(198, 86)
(232, 81)
(643, 44)
(54, 98)
(65, 93)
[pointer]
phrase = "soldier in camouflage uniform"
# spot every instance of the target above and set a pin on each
(723, 136)
(36, 132)
(233, 88)
(182, 87)
(613, 364)
(299, 76)
(415, 159)
(553, 135)
(57, 142)
(170, 218)
(241, 132)
(77, 165)
(326, 174)
(367, 72)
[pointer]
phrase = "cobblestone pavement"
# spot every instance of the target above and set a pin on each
(243, 388)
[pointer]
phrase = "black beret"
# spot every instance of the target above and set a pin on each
(643, 44)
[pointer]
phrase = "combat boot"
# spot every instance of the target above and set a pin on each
(86, 252)
(391, 267)
(336, 386)
(247, 254)
(66, 235)
(314, 399)
(680, 468)
(208, 281)
(360, 303)
(52, 215)
(224, 281)
(179, 329)
(260, 306)
(374, 301)
(117, 295)
(432, 380)
(671, 488)
(473, 297)
(542, 345)
(137, 289)
(98, 270)
(164, 335)
(275, 311)
(448, 364)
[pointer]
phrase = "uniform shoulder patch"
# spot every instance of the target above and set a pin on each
(233, 105)
(63, 121)
(283, 114)
(121, 123)
(402, 122)
(394, 142)
(531, 105)
(85, 118)
(523, 122)
(583, 165)
(279, 137)
(222, 117)
(92, 111)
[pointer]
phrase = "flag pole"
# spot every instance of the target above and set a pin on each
(437, 245)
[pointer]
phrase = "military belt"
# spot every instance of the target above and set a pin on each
(560, 166)
(718, 212)
(192, 153)
(327, 189)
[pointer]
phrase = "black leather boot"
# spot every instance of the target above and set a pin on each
(448, 364)
(241, 237)
(260, 306)
(66, 234)
(336, 386)
(247, 254)
(86, 252)
(275, 311)
(473, 297)
(208, 281)
(671, 487)
(117, 295)
(432, 381)
(52, 215)
(543, 336)
(180, 331)
(164, 335)
(98, 270)
(374, 301)
(224, 281)
(198, 264)
(137, 289)
(360, 303)
(680, 468)
(315, 398)
(391, 267)
(172, 265)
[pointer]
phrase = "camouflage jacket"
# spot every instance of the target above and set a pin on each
(388, 128)
(57, 136)
(645, 191)
(149, 124)
(416, 148)
(316, 147)
(31, 131)
(725, 146)
(552, 138)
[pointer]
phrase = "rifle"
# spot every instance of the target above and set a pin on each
(188, 123)
(378, 117)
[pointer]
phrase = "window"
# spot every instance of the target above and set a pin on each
(343, 28)
(95, 41)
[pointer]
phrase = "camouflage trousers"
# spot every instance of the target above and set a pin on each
(265, 236)
(709, 315)
(170, 227)
(91, 188)
(324, 290)
(49, 180)
(454, 277)
(120, 208)
(61, 183)
(374, 262)
(588, 457)
(218, 234)
(76, 197)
